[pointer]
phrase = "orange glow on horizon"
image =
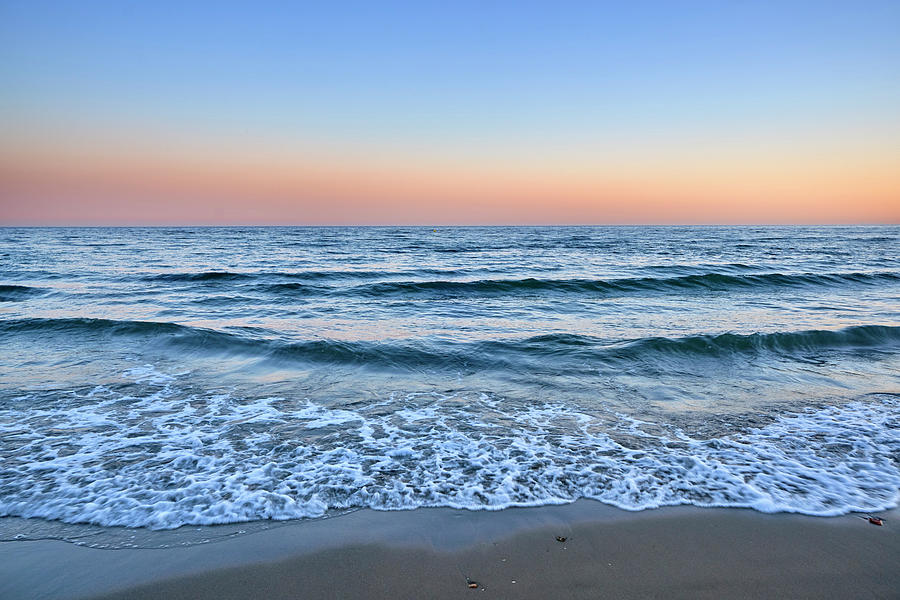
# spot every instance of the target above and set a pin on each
(42, 184)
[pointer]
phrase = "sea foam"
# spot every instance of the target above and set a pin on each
(167, 458)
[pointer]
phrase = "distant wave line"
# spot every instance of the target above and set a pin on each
(483, 354)
(308, 284)
(16, 293)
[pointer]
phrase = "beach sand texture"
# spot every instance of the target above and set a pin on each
(679, 552)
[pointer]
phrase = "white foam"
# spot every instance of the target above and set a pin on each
(148, 374)
(167, 459)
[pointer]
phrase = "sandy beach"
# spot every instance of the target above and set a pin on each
(679, 552)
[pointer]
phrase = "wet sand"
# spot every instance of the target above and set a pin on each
(679, 552)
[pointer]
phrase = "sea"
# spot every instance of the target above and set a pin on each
(159, 378)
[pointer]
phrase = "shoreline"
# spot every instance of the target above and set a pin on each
(672, 552)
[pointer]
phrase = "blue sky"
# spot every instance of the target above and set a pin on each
(564, 83)
(473, 69)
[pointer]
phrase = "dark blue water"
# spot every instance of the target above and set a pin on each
(160, 377)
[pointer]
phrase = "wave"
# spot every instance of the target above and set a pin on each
(88, 325)
(701, 282)
(650, 349)
(17, 293)
(858, 337)
(203, 276)
(484, 354)
(173, 460)
(336, 275)
(314, 283)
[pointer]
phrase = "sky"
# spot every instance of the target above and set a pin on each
(168, 113)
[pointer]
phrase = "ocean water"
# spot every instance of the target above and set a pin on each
(161, 377)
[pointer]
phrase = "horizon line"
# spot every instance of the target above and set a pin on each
(433, 225)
